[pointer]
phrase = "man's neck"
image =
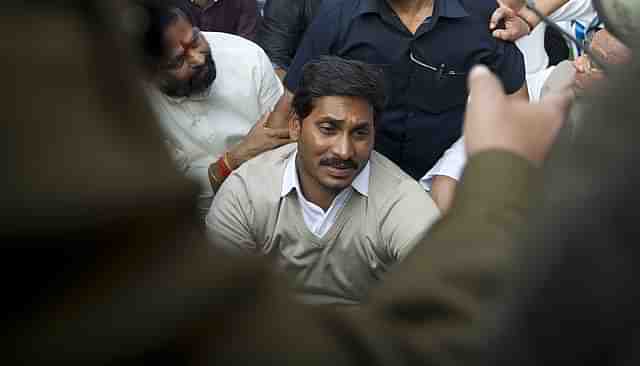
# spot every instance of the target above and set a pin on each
(201, 3)
(410, 6)
(412, 13)
(312, 191)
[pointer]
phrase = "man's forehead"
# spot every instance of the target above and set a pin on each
(342, 108)
(178, 30)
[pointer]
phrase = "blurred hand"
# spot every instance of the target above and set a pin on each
(514, 26)
(586, 74)
(260, 139)
(443, 189)
(492, 122)
(610, 51)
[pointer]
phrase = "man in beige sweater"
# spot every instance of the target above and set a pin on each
(329, 210)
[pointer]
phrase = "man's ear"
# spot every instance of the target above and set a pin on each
(294, 126)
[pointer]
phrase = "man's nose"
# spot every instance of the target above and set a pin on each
(343, 147)
(195, 58)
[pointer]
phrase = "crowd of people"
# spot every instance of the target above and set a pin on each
(328, 181)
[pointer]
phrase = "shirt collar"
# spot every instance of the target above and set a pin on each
(204, 95)
(446, 8)
(451, 9)
(290, 179)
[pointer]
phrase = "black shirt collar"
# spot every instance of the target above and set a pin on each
(446, 8)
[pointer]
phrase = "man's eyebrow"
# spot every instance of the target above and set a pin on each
(331, 120)
(361, 125)
(339, 123)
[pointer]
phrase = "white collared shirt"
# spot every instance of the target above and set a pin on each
(319, 221)
(200, 128)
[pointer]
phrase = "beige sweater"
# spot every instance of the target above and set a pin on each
(370, 233)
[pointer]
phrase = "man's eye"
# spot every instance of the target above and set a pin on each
(362, 133)
(327, 130)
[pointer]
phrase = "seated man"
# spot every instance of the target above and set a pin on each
(208, 90)
(331, 211)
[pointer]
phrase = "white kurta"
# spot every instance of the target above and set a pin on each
(199, 129)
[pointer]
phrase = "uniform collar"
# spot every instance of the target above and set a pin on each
(290, 179)
(446, 8)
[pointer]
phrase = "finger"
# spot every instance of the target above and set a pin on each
(280, 142)
(280, 133)
(484, 87)
(501, 34)
(498, 15)
(560, 99)
(264, 119)
(556, 106)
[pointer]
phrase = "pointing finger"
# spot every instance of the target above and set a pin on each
(282, 133)
(484, 87)
(498, 15)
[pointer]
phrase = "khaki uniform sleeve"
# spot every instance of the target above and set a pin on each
(436, 303)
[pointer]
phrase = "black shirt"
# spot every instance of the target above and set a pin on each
(425, 72)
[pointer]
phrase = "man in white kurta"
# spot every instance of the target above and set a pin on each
(201, 127)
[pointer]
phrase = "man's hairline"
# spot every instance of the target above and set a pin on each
(295, 113)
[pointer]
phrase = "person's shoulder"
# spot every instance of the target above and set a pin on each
(267, 166)
(482, 8)
(389, 180)
(333, 10)
(231, 44)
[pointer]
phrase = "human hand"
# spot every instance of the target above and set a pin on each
(260, 139)
(493, 122)
(516, 5)
(443, 189)
(610, 51)
(514, 26)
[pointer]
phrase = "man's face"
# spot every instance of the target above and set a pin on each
(188, 68)
(334, 142)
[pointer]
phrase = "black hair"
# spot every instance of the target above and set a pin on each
(335, 76)
(158, 16)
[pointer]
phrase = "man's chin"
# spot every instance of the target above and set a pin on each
(338, 182)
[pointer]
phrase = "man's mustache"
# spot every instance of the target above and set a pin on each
(339, 163)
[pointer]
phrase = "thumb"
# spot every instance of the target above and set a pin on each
(484, 88)
(498, 15)
(262, 122)
(559, 101)
(279, 133)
